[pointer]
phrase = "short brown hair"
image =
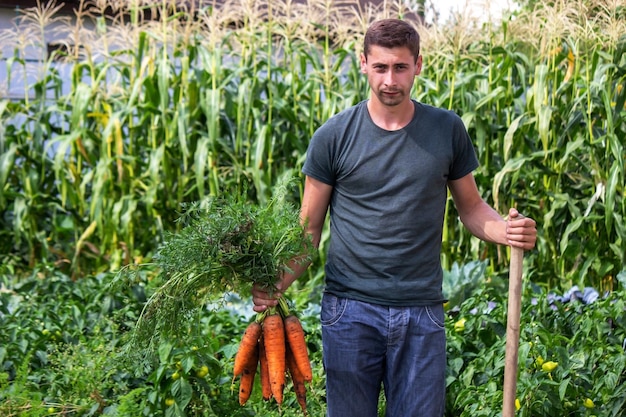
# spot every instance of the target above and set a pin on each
(392, 33)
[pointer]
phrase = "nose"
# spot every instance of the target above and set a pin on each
(389, 78)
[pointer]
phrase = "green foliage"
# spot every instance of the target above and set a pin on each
(83, 370)
(461, 281)
(96, 165)
(226, 246)
(98, 174)
(60, 340)
(65, 353)
(546, 117)
(585, 341)
(136, 122)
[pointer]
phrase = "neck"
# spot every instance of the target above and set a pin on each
(391, 117)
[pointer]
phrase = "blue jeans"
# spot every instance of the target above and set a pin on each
(364, 345)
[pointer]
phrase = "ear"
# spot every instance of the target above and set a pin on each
(363, 63)
(418, 65)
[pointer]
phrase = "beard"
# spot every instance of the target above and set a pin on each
(390, 97)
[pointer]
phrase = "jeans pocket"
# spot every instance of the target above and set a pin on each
(333, 308)
(436, 315)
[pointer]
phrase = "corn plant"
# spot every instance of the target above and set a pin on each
(543, 103)
(152, 105)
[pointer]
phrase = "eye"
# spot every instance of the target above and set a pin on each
(380, 68)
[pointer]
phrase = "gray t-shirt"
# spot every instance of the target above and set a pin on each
(388, 201)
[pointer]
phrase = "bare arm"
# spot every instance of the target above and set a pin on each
(313, 211)
(485, 223)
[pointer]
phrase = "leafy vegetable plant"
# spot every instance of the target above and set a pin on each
(571, 355)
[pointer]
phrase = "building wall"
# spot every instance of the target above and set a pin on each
(22, 52)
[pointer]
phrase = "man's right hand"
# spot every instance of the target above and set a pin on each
(263, 298)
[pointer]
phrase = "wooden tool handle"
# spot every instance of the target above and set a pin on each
(512, 331)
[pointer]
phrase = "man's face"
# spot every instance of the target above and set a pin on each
(390, 73)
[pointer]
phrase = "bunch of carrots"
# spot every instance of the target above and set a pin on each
(274, 343)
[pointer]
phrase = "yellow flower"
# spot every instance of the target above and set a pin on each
(549, 366)
(588, 403)
(459, 326)
(517, 404)
(539, 361)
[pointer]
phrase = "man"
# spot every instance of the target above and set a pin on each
(383, 168)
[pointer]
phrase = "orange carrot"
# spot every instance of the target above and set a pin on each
(274, 340)
(297, 380)
(246, 383)
(266, 389)
(244, 359)
(295, 337)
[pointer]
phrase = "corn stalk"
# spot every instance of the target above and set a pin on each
(157, 105)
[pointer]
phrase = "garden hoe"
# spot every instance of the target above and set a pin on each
(512, 331)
